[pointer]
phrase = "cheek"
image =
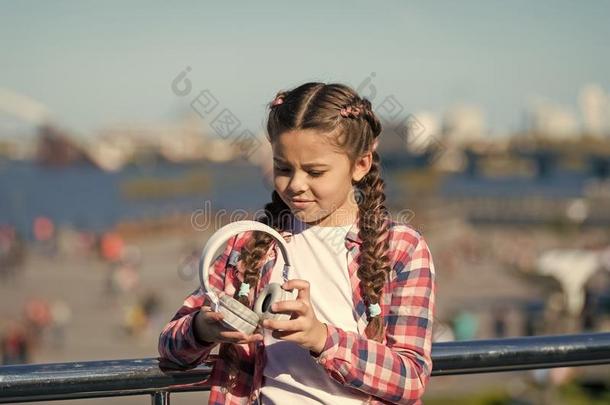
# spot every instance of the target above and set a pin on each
(327, 192)
(280, 183)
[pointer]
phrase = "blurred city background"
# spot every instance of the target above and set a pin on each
(130, 132)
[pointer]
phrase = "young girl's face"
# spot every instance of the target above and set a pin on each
(314, 178)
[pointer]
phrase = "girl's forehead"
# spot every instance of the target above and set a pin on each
(305, 145)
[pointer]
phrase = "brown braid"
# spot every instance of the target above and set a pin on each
(373, 221)
(374, 263)
(276, 214)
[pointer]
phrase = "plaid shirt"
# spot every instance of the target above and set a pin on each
(393, 371)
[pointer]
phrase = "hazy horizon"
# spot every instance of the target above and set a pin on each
(94, 65)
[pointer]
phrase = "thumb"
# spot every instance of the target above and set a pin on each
(209, 316)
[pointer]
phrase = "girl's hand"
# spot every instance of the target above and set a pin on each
(303, 327)
(209, 328)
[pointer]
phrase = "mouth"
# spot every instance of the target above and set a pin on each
(301, 203)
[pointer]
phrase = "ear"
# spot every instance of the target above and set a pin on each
(362, 165)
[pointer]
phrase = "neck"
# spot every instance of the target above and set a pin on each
(341, 217)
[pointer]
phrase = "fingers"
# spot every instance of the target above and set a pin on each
(257, 337)
(301, 285)
(210, 316)
(240, 337)
(282, 334)
(298, 307)
(224, 333)
(213, 317)
(291, 325)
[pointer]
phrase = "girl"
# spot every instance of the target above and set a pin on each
(361, 327)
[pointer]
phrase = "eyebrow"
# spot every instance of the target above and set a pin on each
(306, 165)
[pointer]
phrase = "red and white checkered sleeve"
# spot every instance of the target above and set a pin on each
(178, 347)
(398, 371)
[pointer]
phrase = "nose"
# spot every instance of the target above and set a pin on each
(297, 184)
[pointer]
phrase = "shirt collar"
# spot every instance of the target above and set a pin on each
(351, 239)
(352, 234)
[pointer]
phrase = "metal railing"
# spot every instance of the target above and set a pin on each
(93, 379)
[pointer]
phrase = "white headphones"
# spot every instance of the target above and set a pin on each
(235, 314)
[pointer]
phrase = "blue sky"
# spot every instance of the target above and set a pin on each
(98, 63)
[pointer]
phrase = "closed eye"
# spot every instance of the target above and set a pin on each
(313, 173)
(281, 169)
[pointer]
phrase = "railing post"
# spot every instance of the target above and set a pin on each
(160, 398)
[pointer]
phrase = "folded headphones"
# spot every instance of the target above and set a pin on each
(236, 315)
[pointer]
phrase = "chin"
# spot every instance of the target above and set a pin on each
(311, 218)
(302, 216)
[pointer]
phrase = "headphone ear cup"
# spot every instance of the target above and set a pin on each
(271, 294)
(237, 315)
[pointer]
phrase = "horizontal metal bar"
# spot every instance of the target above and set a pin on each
(523, 353)
(92, 379)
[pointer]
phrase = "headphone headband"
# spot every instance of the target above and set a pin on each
(224, 234)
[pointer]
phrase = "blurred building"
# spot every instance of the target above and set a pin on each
(57, 148)
(464, 124)
(22, 118)
(184, 142)
(595, 109)
(424, 134)
(552, 120)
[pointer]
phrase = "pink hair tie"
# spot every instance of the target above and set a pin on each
(375, 144)
(350, 111)
(277, 101)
